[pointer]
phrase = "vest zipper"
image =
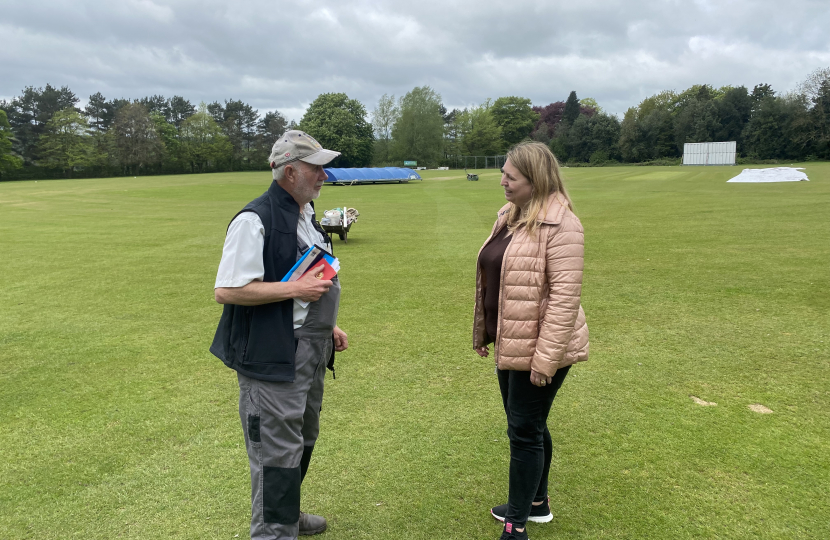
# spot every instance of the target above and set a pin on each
(248, 316)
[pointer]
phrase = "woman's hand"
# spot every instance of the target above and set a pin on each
(483, 352)
(537, 379)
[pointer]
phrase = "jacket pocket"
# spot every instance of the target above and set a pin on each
(253, 413)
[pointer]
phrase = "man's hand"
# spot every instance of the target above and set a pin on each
(483, 352)
(341, 341)
(537, 379)
(309, 288)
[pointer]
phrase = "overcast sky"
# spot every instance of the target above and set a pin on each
(281, 55)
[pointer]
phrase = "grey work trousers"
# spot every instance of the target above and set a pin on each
(281, 421)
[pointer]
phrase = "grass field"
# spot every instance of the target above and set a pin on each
(116, 422)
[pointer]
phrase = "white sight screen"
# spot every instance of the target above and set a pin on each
(709, 153)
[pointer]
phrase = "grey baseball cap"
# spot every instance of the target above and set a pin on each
(297, 145)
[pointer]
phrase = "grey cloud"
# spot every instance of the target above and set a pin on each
(283, 54)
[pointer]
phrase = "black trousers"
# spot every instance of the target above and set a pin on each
(527, 408)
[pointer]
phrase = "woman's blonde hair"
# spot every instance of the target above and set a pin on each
(538, 164)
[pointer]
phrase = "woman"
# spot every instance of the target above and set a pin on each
(528, 287)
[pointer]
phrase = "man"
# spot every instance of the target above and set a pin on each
(279, 336)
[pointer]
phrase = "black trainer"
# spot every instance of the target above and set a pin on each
(538, 514)
(510, 533)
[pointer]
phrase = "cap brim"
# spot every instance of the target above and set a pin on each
(321, 157)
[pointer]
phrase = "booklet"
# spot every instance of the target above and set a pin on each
(326, 272)
(312, 259)
(311, 256)
(315, 258)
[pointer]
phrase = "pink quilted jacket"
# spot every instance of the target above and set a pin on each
(541, 323)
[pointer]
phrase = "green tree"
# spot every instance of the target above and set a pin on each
(515, 117)
(168, 135)
(798, 138)
(98, 113)
(384, 116)
(418, 134)
(245, 119)
(137, 144)
(696, 122)
(820, 116)
(269, 128)
(203, 145)
(542, 133)
(779, 128)
(238, 122)
(571, 112)
(632, 141)
(452, 137)
(29, 114)
(665, 101)
(65, 143)
(648, 131)
(593, 138)
(816, 90)
(764, 131)
(590, 103)
(155, 104)
(761, 92)
(658, 128)
(102, 152)
(643, 138)
(339, 123)
(178, 110)
(478, 132)
(8, 161)
(734, 110)
(696, 92)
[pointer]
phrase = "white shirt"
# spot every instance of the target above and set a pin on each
(242, 254)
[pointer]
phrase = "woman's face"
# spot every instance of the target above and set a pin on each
(517, 188)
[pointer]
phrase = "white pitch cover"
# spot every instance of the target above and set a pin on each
(773, 174)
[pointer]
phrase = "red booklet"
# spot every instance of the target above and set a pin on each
(326, 272)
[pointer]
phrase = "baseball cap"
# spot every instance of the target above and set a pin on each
(297, 145)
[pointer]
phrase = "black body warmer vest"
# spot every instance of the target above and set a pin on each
(258, 341)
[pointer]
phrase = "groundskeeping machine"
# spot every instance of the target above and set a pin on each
(338, 221)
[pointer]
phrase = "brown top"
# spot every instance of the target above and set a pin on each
(490, 260)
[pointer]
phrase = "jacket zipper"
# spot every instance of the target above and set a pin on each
(501, 297)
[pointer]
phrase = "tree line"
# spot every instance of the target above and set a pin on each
(43, 132)
(47, 134)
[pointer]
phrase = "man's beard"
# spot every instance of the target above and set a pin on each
(303, 188)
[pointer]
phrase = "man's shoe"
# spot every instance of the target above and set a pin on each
(510, 533)
(311, 524)
(538, 514)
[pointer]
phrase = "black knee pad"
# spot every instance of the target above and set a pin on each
(281, 494)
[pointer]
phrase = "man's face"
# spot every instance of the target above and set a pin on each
(308, 181)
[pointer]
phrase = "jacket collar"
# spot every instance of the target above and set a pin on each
(285, 212)
(552, 213)
(283, 198)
